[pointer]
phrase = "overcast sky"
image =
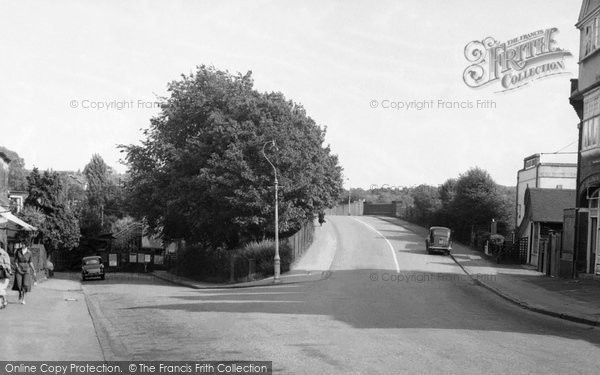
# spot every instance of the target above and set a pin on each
(334, 57)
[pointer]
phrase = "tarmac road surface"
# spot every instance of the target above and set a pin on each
(386, 307)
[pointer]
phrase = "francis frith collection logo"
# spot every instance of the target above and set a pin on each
(514, 63)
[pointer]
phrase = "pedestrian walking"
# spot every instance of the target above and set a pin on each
(24, 272)
(321, 218)
(5, 273)
(49, 268)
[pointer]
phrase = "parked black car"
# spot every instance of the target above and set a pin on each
(92, 267)
(439, 240)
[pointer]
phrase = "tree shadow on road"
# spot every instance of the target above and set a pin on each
(384, 299)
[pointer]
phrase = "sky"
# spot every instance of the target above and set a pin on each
(81, 77)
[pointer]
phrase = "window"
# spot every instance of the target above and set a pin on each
(588, 40)
(16, 203)
(593, 204)
(441, 232)
(590, 136)
(596, 43)
(591, 133)
(591, 33)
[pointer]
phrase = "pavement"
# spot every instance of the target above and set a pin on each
(574, 300)
(54, 324)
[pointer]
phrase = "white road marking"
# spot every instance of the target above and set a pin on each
(386, 240)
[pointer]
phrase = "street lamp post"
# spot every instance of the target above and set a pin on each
(277, 259)
(347, 179)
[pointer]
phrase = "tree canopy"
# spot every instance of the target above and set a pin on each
(471, 199)
(103, 203)
(200, 173)
(476, 200)
(47, 209)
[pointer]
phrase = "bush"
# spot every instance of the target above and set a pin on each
(204, 263)
(263, 253)
(214, 264)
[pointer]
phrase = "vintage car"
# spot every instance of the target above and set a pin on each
(439, 240)
(92, 267)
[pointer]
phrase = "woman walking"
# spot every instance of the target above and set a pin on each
(24, 272)
(5, 272)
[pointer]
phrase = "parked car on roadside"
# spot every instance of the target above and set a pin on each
(439, 240)
(92, 267)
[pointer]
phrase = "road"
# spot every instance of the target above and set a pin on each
(385, 307)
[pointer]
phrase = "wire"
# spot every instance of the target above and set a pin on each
(559, 151)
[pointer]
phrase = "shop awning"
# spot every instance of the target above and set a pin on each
(11, 222)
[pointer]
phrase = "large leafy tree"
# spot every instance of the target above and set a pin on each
(47, 209)
(427, 202)
(200, 173)
(476, 200)
(103, 204)
(98, 183)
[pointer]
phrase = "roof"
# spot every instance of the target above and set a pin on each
(92, 257)
(547, 205)
(587, 7)
(433, 228)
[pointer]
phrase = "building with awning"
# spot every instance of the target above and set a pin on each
(10, 225)
(13, 223)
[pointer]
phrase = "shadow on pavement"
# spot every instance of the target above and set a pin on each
(114, 278)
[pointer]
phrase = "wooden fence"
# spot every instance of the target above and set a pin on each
(301, 240)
